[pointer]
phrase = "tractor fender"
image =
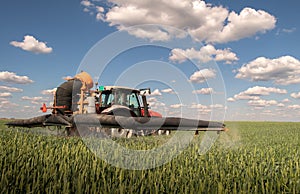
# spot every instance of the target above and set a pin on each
(154, 114)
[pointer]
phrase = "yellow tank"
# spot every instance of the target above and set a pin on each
(86, 80)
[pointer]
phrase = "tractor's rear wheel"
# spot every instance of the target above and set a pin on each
(123, 133)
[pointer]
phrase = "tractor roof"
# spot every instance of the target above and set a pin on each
(120, 88)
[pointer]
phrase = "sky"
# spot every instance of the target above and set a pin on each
(213, 59)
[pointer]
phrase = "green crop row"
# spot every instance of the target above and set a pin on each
(253, 157)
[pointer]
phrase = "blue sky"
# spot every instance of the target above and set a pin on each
(237, 56)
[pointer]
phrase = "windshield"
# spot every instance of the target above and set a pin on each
(126, 98)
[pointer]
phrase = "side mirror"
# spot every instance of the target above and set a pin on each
(145, 91)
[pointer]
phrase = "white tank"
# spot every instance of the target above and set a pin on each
(91, 104)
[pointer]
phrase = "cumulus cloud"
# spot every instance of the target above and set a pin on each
(288, 30)
(168, 91)
(286, 100)
(156, 92)
(280, 105)
(205, 91)
(295, 106)
(205, 54)
(34, 100)
(246, 24)
(33, 45)
(10, 89)
(202, 75)
(11, 77)
(93, 9)
(263, 91)
(5, 94)
(176, 105)
(7, 104)
(87, 3)
(67, 77)
(203, 21)
(204, 109)
(216, 106)
(282, 71)
(199, 106)
(262, 103)
(49, 92)
(255, 92)
(231, 99)
(285, 30)
(156, 104)
(295, 95)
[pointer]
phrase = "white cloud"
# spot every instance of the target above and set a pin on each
(49, 92)
(86, 3)
(286, 100)
(10, 89)
(285, 30)
(168, 90)
(295, 106)
(205, 54)
(7, 105)
(156, 104)
(156, 92)
(100, 16)
(263, 91)
(11, 77)
(280, 105)
(205, 91)
(201, 109)
(32, 98)
(92, 9)
(231, 100)
(35, 100)
(153, 33)
(282, 71)
(67, 77)
(33, 45)
(295, 95)
(262, 103)
(5, 94)
(243, 96)
(199, 106)
(246, 24)
(255, 92)
(86, 10)
(100, 9)
(206, 108)
(201, 20)
(152, 99)
(176, 105)
(3, 99)
(291, 30)
(202, 75)
(216, 106)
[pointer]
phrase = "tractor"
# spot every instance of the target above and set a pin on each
(110, 110)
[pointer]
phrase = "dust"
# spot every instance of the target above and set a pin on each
(231, 139)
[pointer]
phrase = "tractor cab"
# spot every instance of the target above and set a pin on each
(114, 96)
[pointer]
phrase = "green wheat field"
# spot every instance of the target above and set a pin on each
(252, 157)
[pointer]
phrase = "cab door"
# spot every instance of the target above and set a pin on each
(134, 103)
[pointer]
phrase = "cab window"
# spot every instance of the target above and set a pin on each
(133, 100)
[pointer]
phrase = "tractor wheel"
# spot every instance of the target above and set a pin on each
(121, 133)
